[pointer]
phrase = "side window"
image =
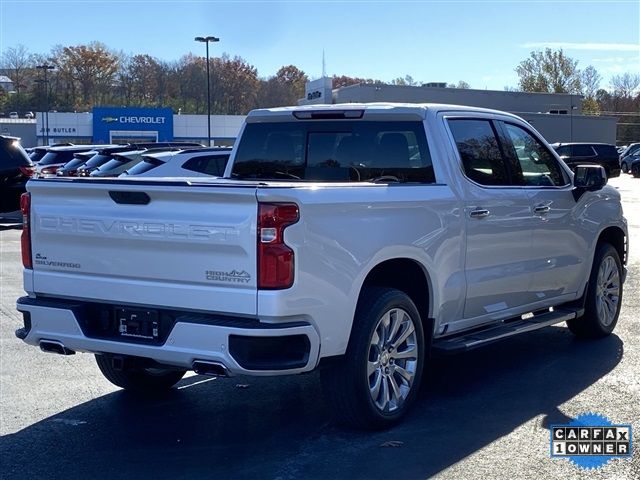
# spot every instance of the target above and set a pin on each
(539, 167)
(210, 165)
(564, 151)
(606, 151)
(479, 151)
(583, 151)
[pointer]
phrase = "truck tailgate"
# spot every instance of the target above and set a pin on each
(183, 246)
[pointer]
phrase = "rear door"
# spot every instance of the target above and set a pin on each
(498, 220)
(153, 243)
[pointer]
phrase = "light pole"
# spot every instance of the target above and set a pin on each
(45, 67)
(572, 109)
(206, 40)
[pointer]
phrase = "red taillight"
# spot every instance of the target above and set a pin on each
(49, 170)
(275, 258)
(27, 170)
(25, 239)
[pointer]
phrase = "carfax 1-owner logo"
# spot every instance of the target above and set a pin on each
(591, 440)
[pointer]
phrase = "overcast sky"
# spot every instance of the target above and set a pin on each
(479, 42)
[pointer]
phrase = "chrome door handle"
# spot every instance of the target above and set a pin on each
(479, 213)
(541, 209)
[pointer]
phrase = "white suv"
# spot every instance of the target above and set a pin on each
(185, 163)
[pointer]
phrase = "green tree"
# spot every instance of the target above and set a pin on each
(549, 71)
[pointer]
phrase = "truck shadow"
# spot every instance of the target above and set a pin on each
(279, 427)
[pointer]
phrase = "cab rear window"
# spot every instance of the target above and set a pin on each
(335, 151)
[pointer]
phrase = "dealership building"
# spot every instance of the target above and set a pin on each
(125, 124)
(558, 117)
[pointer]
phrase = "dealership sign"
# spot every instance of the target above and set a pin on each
(107, 120)
(318, 91)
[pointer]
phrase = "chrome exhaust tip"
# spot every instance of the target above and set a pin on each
(53, 346)
(212, 369)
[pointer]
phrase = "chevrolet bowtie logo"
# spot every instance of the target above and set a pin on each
(109, 119)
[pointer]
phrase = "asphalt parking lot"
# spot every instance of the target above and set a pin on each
(483, 414)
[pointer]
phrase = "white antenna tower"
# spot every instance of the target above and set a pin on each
(324, 66)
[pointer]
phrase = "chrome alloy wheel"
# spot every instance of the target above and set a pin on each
(393, 360)
(607, 291)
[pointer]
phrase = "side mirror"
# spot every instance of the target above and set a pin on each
(588, 178)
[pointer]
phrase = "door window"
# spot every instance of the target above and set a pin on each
(479, 151)
(538, 165)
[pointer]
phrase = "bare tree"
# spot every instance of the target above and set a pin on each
(460, 84)
(590, 81)
(18, 64)
(625, 85)
(407, 80)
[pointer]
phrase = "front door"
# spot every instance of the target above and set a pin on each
(498, 220)
(559, 252)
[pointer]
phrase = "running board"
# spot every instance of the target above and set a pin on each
(507, 328)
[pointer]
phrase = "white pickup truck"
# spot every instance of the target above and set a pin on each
(357, 239)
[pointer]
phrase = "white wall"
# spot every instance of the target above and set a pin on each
(195, 126)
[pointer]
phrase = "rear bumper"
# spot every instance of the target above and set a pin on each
(241, 350)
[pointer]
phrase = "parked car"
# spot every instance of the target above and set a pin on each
(603, 154)
(102, 156)
(631, 149)
(14, 115)
(108, 154)
(29, 115)
(37, 153)
(125, 160)
(351, 239)
(70, 169)
(15, 169)
(633, 161)
(185, 163)
(56, 157)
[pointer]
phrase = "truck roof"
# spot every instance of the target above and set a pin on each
(368, 109)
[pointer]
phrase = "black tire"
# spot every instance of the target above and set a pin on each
(346, 382)
(624, 167)
(597, 323)
(635, 172)
(139, 379)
